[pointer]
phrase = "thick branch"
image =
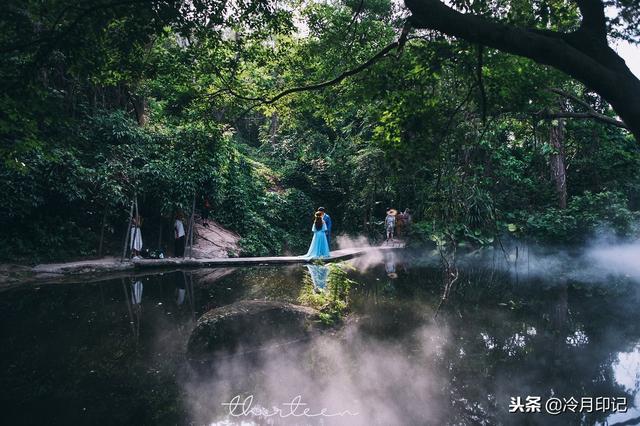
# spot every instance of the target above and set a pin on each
(572, 97)
(587, 59)
(584, 116)
(593, 19)
(546, 47)
(590, 114)
(385, 52)
(380, 55)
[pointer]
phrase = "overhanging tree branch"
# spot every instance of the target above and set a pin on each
(548, 47)
(380, 55)
(583, 54)
(570, 96)
(584, 116)
(590, 114)
(384, 53)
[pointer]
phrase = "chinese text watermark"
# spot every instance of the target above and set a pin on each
(555, 406)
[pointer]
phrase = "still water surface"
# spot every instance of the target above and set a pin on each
(113, 351)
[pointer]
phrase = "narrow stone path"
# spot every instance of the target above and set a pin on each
(336, 256)
(98, 268)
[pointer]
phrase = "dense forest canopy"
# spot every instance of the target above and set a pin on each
(487, 118)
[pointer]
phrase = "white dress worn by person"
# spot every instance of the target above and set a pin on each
(136, 238)
(179, 227)
(136, 292)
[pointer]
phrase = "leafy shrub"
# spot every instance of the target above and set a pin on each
(582, 217)
(333, 303)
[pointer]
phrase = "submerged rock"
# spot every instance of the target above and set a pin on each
(206, 277)
(248, 326)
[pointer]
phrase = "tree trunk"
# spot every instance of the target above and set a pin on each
(273, 128)
(140, 106)
(104, 223)
(560, 321)
(126, 236)
(189, 236)
(557, 161)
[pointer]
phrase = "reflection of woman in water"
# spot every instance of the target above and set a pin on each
(319, 274)
(181, 291)
(136, 302)
(319, 247)
(136, 293)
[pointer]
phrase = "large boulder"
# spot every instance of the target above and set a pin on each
(248, 326)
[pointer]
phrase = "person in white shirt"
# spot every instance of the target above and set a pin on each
(390, 223)
(179, 235)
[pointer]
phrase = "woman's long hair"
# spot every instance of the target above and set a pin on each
(318, 221)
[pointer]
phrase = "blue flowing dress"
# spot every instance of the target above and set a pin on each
(319, 247)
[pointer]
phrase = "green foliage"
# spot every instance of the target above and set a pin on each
(582, 217)
(57, 199)
(333, 302)
(101, 102)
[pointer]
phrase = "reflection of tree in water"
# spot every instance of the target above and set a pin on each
(450, 273)
(251, 283)
(76, 344)
(86, 348)
(544, 340)
(87, 354)
(185, 294)
(533, 338)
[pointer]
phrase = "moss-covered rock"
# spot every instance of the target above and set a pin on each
(248, 326)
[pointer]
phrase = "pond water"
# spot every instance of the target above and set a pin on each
(113, 351)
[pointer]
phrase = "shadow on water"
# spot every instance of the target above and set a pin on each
(113, 352)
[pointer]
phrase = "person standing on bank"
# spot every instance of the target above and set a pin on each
(179, 235)
(136, 237)
(327, 221)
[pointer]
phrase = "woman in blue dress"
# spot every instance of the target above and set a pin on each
(319, 247)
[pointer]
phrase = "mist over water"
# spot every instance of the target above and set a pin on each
(358, 379)
(616, 259)
(602, 258)
(365, 262)
(395, 364)
(597, 261)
